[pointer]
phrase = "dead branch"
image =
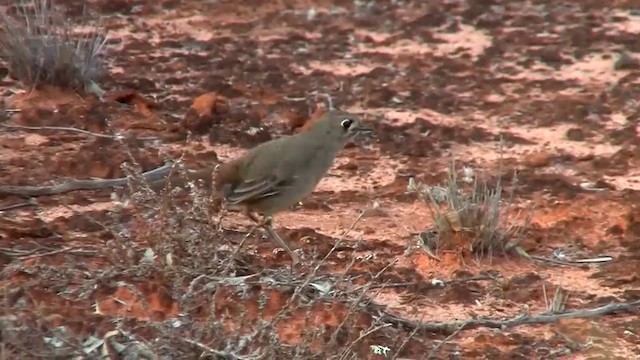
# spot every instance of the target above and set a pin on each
(71, 129)
(72, 250)
(439, 283)
(30, 202)
(152, 176)
(524, 319)
(371, 330)
(34, 253)
(546, 260)
(212, 351)
(435, 350)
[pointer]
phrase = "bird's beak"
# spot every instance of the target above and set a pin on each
(360, 128)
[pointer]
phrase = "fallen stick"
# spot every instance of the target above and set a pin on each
(156, 178)
(30, 202)
(70, 129)
(453, 328)
(524, 319)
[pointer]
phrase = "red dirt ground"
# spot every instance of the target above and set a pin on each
(440, 80)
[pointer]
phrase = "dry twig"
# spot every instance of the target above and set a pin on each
(435, 350)
(81, 131)
(524, 319)
(75, 184)
(223, 354)
(30, 202)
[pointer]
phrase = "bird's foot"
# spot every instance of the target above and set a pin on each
(280, 242)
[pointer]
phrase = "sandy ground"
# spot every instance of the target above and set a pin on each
(439, 80)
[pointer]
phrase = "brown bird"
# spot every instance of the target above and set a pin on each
(279, 173)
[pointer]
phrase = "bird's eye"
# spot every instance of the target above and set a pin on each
(346, 123)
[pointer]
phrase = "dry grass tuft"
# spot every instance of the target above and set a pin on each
(41, 47)
(468, 212)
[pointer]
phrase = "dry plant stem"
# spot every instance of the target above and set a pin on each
(413, 283)
(64, 128)
(298, 290)
(434, 352)
(237, 250)
(407, 339)
(355, 304)
(217, 280)
(212, 351)
(31, 202)
(192, 286)
(266, 224)
(519, 320)
(278, 240)
(59, 251)
(328, 98)
(410, 232)
(16, 252)
(349, 267)
(558, 262)
(559, 301)
(362, 336)
(75, 184)
(570, 344)
(34, 253)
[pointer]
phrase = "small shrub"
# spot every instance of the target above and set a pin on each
(41, 47)
(231, 306)
(476, 217)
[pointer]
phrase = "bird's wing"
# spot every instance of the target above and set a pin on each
(256, 189)
(251, 190)
(267, 173)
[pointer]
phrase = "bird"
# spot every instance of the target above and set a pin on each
(279, 173)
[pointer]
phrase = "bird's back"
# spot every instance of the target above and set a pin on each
(295, 173)
(283, 158)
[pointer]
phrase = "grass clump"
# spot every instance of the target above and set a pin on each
(41, 47)
(469, 213)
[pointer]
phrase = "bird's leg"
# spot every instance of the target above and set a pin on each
(278, 240)
(265, 223)
(252, 216)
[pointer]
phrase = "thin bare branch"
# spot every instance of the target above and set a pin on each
(346, 352)
(30, 202)
(437, 348)
(224, 354)
(524, 319)
(75, 184)
(64, 128)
